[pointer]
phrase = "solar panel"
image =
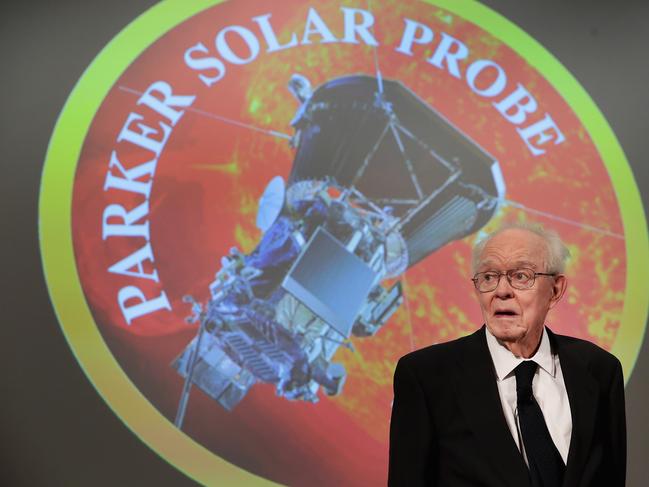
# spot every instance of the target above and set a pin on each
(331, 281)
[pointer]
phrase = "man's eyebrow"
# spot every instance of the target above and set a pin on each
(513, 265)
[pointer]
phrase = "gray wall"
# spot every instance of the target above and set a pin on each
(55, 429)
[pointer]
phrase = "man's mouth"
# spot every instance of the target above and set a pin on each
(504, 313)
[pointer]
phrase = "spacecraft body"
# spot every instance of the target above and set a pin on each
(379, 181)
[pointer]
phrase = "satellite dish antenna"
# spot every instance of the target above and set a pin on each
(271, 203)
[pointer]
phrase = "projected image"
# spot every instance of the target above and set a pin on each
(370, 194)
(268, 204)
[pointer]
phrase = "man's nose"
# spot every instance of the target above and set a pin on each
(504, 289)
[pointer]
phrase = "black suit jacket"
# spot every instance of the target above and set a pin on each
(448, 428)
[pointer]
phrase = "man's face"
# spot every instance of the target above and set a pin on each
(518, 315)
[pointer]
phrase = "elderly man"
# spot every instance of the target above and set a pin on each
(513, 404)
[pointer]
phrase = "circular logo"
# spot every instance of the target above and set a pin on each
(250, 212)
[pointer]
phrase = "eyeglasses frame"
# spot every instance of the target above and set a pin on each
(506, 273)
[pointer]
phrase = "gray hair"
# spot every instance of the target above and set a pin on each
(557, 252)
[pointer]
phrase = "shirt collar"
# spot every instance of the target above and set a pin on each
(505, 361)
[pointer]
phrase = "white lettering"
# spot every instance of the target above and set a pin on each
(163, 106)
(362, 29)
(142, 306)
(136, 259)
(128, 179)
(414, 33)
(444, 52)
(545, 129)
(228, 54)
(517, 105)
(270, 37)
(204, 63)
(126, 227)
(315, 25)
(479, 66)
(142, 138)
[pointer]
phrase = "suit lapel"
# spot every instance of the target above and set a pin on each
(480, 404)
(582, 392)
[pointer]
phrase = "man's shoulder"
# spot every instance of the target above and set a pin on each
(591, 354)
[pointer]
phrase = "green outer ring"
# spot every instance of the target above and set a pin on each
(58, 256)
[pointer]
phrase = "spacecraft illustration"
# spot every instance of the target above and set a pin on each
(379, 181)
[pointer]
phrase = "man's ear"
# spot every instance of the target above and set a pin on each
(558, 289)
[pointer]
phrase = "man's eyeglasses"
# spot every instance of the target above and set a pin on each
(518, 279)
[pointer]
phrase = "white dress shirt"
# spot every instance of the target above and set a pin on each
(548, 387)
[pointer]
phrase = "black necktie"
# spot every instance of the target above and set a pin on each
(545, 463)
